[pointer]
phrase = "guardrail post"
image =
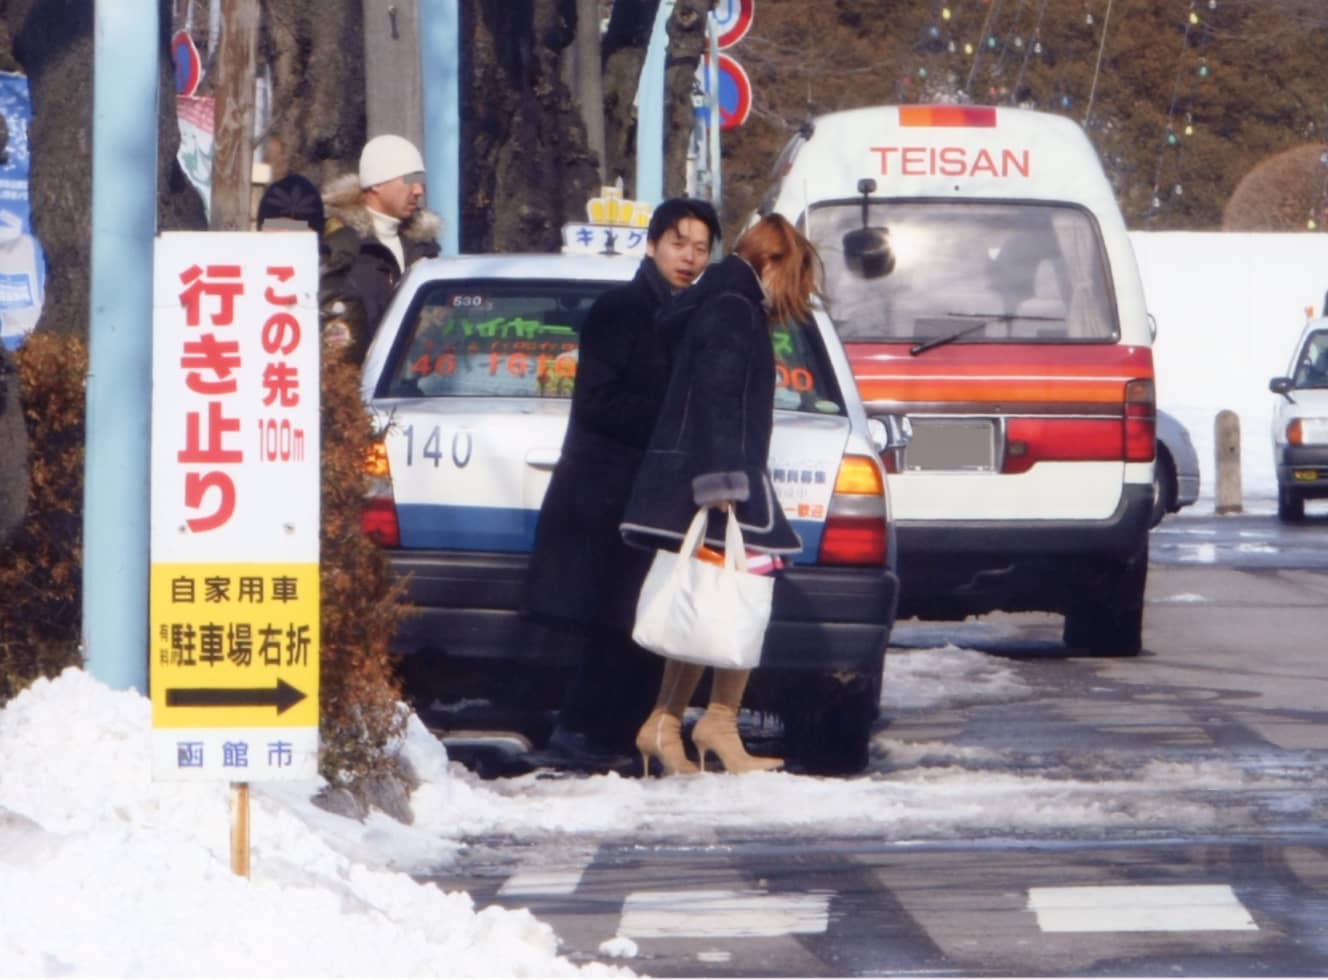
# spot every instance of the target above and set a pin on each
(1226, 447)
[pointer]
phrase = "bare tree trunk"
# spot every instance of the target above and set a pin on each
(525, 166)
(687, 43)
(316, 50)
(624, 52)
(232, 146)
(589, 77)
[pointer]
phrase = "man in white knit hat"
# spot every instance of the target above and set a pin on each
(376, 229)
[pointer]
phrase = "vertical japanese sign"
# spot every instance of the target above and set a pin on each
(234, 592)
(22, 265)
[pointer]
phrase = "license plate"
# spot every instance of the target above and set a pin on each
(951, 444)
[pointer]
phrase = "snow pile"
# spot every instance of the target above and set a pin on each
(108, 873)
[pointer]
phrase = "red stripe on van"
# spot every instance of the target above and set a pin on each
(954, 116)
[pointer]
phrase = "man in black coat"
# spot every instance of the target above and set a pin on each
(583, 578)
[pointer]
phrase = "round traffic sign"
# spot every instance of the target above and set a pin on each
(188, 64)
(735, 94)
(733, 19)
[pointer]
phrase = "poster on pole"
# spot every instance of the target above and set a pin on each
(234, 539)
(22, 263)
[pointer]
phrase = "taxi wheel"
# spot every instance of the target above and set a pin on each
(1290, 505)
(1109, 622)
(828, 723)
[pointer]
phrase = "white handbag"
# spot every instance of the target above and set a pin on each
(703, 613)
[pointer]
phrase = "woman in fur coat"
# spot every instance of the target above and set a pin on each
(710, 448)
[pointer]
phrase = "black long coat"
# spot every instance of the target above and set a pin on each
(580, 569)
(712, 440)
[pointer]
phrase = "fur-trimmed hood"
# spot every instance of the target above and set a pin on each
(343, 202)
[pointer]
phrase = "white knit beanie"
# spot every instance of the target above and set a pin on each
(387, 157)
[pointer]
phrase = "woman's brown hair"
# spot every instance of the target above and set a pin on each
(787, 264)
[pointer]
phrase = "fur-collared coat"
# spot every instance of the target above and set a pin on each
(712, 440)
(360, 272)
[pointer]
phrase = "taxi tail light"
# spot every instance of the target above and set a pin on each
(854, 531)
(378, 515)
(1140, 421)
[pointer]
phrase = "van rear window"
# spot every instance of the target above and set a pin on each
(517, 338)
(969, 272)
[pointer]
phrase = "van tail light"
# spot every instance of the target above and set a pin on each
(854, 531)
(1140, 421)
(378, 515)
(1131, 438)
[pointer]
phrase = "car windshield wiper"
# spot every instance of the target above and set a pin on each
(983, 319)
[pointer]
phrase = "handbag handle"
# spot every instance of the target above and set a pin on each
(735, 552)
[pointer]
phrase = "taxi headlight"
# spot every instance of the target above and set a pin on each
(1308, 432)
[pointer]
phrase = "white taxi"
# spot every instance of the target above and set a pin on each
(1300, 423)
(470, 378)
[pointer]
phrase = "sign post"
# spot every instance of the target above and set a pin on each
(234, 576)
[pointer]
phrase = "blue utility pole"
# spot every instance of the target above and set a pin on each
(124, 220)
(440, 60)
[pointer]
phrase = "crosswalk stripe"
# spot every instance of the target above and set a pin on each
(715, 913)
(560, 878)
(1139, 908)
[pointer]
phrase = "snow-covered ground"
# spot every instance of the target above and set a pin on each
(107, 873)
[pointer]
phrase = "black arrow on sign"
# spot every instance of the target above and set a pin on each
(282, 696)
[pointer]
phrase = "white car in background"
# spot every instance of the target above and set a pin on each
(1300, 423)
(470, 377)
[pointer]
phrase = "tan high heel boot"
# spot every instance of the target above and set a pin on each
(661, 735)
(717, 731)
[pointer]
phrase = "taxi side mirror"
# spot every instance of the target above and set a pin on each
(890, 435)
(1282, 386)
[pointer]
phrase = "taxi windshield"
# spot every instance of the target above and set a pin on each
(517, 338)
(968, 272)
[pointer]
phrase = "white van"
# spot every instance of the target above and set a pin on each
(979, 273)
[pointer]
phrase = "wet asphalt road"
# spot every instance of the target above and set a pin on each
(1233, 680)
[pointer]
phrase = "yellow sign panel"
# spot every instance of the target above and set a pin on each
(234, 645)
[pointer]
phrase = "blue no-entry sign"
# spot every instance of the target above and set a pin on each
(188, 64)
(735, 91)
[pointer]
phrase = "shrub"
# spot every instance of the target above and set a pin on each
(41, 571)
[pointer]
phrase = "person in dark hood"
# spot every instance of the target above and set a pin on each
(583, 579)
(710, 448)
(376, 229)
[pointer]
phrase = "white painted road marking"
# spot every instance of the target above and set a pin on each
(718, 913)
(1140, 908)
(561, 877)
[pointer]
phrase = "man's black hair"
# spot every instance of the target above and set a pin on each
(668, 214)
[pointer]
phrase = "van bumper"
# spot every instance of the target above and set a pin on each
(465, 606)
(953, 569)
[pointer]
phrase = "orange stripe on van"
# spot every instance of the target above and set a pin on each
(954, 116)
(991, 374)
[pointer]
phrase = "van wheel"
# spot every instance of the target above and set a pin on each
(1111, 622)
(1290, 505)
(828, 723)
